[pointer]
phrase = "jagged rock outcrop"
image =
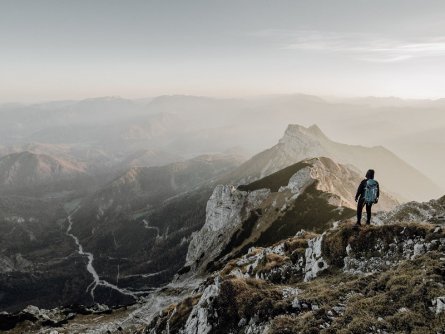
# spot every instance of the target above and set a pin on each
(314, 258)
(202, 315)
(439, 302)
(226, 211)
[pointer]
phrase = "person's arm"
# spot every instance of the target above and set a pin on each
(359, 190)
(378, 192)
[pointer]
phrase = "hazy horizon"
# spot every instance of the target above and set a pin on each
(64, 50)
(148, 98)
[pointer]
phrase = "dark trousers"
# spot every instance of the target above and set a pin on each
(360, 205)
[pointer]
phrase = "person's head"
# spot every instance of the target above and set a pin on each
(370, 174)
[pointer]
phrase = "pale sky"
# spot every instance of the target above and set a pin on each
(60, 49)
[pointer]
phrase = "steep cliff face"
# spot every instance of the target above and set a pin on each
(311, 194)
(227, 210)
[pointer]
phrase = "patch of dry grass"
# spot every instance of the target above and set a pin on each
(397, 301)
(229, 267)
(365, 238)
(271, 261)
(247, 298)
(174, 316)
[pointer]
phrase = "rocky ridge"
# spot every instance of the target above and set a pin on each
(237, 218)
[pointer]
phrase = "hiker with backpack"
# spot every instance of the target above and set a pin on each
(367, 194)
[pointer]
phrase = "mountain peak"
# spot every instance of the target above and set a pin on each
(313, 131)
(299, 143)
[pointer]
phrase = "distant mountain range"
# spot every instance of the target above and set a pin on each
(188, 126)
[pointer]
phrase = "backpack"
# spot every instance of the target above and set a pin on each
(371, 191)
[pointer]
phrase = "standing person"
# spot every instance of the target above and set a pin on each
(367, 194)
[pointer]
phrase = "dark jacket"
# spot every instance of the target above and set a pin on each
(361, 190)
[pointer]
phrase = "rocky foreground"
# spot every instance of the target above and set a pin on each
(377, 279)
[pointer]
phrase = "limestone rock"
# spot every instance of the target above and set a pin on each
(226, 210)
(314, 259)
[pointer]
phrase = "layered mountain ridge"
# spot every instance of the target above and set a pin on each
(299, 143)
